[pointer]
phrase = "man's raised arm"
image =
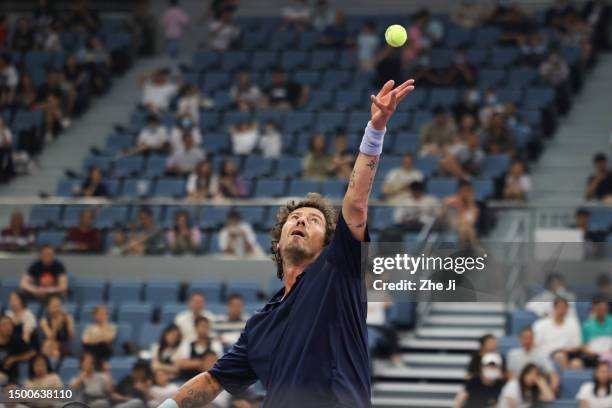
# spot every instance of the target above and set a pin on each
(355, 203)
(195, 393)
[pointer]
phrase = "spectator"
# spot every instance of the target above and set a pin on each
(84, 238)
(296, 15)
(98, 62)
(599, 184)
(597, 332)
(75, 81)
(93, 386)
(94, 185)
(434, 29)
(158, 90)
(23, 37)
(542, 303)
(518, 184)
(342, 160)
(498, 136)
(461, 72)
(162, 388)
(9, 79)
(487, 344)
(554, 70)
(317, 162)
(323, 15)
(438, 133)
(82, 17)
(414, 208)
(192, 362)
(99, 336)
(45, 276)
(167, 352)
(484, 389)
(469, 105)
(528, 389)
(462, 160)
(604, 289)
(270, 143)
(520, 357)
(244, 137)
(186, 319)
(235, 309)
(417, 42)
(463, 212)
(27, 96)
(222, 32)
(368, 43)
(13, 350)
(559, 336)
(184, 238)
(231, 184)
(7, 167)
(41, 376)
(50, 96)
(471, 14)
(153, 138)
(398, 178)
(285, 95)
(17, 237)
(184, 125)
(52, 41)
(22, 317)
(174, 20)
(189, 104)
(336, 35)
(597, 393)
(237, 238)
(118, 244)
(58, 329)
(147, 237)
(533, 48)
(184, 161)
(202, 184)
(245, 95)
(133, 390)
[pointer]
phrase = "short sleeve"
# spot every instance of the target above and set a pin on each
(584, 392)
(233, 370)
(345, 249)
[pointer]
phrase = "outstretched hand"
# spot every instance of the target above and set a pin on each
(386, 101)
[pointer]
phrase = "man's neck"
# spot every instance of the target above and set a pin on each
(290, 274)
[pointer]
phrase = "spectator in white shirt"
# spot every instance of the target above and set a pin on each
(323, 15)
(518, 184)
(9, 79)
(202, 184)
(237, 238)
(222, 32)
(542, 303)
(296, 15)
(166, 353)
(184, 161)
(162, 388)
(597, 393)
(158, 90)
(399, 177)
(244, 137)
(554, 70)
(153, 138)
(559, 336)
(20, 314)
(184, 124)
(270, 142)
(462, 160)
(367, 46)
(246, 95)
(189, 103)
(415, 207)
(186, 319)
(529, 389)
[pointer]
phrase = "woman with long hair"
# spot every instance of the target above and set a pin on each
(93, 385)
(42, 377)
(231, 184)
(183, 238)
(58, 328)
(20, 315)
(597, 393)
(202, 184)
(167, 352)
(528, 390)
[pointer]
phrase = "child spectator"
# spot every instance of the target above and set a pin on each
(93, 386)
(94, 186)
(317, 162)
(231, 184)
(84, 238)
(17, 237)
(45, 277)
(23, 319)
(518, 184)
(270, 143)
(174, 20)
(99, 336)
(202, 184)
(237, 238)
(184, 238)
(398, 178)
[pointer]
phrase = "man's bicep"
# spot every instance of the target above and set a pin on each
(233, 371)
(345, 248)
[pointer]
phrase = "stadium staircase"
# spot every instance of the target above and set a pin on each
(435, 355)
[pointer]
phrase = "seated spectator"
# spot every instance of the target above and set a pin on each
(599, 184)
(604, 289)
(189, 103)
(529, 388)
(7, 168)
(157, 90)
(462, 213)
(50, 99)
(285, 95)
(417, 41)
(518, 358)
(414, 208)
(270, 142)
(484, 389)
(4, 30)
(542, 303)
(22, 317)
(75, 79)
(186, 319)
(45, 276)
(184, 238)
(9, 79)
(184, 161)
(398, 178)
(132, 391)
(153, 137)
(237, 238)
(296, 15)
(94, 185)
(462, 159)
(235, 310)
(245, 95)
(82, 18)
(488, 106)
(323, 15)
(202, 184)
(244, 137)
(438, 133)
(17, 237)
(488, 344)
(27, 95)
(597, 393)
(533, 48)
(597, 332)
(41, 376)
(93, 387)
(583, 223)
(469, 105)
(461, 72)
(167, 352)
(434, 29)
(336, 35)
(99, 336)
(316, 163)
(518, 184)
(498, 136)
(471, 14)
(558, 336)
(118, 244)
(467, 126)
(174, 19)
(368, 43)
(146, 237)
(13, 350)
(424, 72)
(84, 238)
(57, 326)
(342, 159)
(554, 70)
(162, 388)
(231, 184)
(23, 37)
(192, 361)
(184, 125)
(97, 61)
(222, 32)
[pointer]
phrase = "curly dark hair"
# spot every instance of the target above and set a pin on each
(311, 200)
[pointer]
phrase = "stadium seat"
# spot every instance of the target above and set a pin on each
(250, 291)
(269, 188)
(427, 164)
(255, 40)
(583, 309)
(263, 60)
(477, 56)
(205, 60)
(457, 36)
(211, 244)
(417, 99)
(601, 218)
(288, 167)
(538, 98)
(293, 59)
(104, 163)
(87, 309)
(381, 218)
(333, 79)
(405, 142)
(128, 166)
(136, 188)
(169, 217)
(6, 287)
(42, 216)
(155, 167)
(169, 311)
(72, 215)
(319, 100)
(441, 58)
(503, 56)
(170, 188)
(483, 189)
(298, 121)
(419, 118)
(308, 40)
(402, 314)
(125, 291)
(209, 121)
(234, 60)
(70, 368)
(89, 291)
(126, 333)
(347, 100)
(253, 215)
(212, 290)
(333, 188)
(507, 343)
(495, 165)
(486, 36)
(282, 42)
(347, 60)
(323, 59)
(571, 380)
(307, 78)
(214, 80)
(522, 77)
(69, 187)
(490, 78)
(135, 313)
(213, 217)
(159, 292)
(520, 319)
(442, 187)
(299, 188)
(358, 120)
(330, 121)
(149, 334)
(53, 238)
(121, 367)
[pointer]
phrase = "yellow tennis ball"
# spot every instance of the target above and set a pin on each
(396, 35)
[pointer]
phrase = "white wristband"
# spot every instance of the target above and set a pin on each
(169, 403)
(372, 142)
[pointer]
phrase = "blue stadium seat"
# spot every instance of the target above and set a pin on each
(69, 369)
(170, 188)
(601, 218)
(255, 40)
(347, 59)
(169, 217)
(441, 58)
(231, 118)
(381, 218)
(234, 60)
(298, 121)
(319, 100)
(138, 119)
(135, 313)
(211, 245)
(213, 217)
(308, 40)
(270, 188)
(69, 187)
(191, 78)
(125, 291)
(333, 188)
(323, 59)
(42, 216)
(212, 290)
(282, 42)
(483, 189)
(387, 162)
(486, 36)
(333, 79)
(125, 334)
(405, 142)
(263, 60)
(457, 36)
(215, 80)
(288, 167)
(71, 308)
(263, 116)
(249, 290)
(520, 319)
(538, 98)
(89, 290)
(503, 56)
(71, 215)
(427, 164)
(522, 77)
(477, 56)
(571, 380)
(87, 309)
(155, 167)
(514, 95)
(53, 238)
(419, 118)
(209, 120)
(347, 100)
(136, 188)
(205, 60)
(169, 310)
(308, 78)
(330, 121)
(495, 165)
(402, 314)
(418, 98)
(293, 59)
(160, 292)
(149, 334)
(104, 163)
(442, 187)
(299, 188)
(583, 309)
(488, 78)
(222, 100)
(507, 343)
(255, 167)
(216, 143)
(128, 166)
(253, 215)
(121, 367)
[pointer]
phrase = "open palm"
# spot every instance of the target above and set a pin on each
(386, 101)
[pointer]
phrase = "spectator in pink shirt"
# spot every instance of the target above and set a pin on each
(414, 44)
(174, 20)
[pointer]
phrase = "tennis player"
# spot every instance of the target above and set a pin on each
(308, 346)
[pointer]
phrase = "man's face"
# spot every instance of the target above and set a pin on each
(440, 118)
(145, 219)
(303, 235)
(234, 307)
(526, 339)
(407, 162)
(601, 166)
(196, 303)
(47, 255)
(561, 310)
(87, 218)
(601, 310)
(202, 329)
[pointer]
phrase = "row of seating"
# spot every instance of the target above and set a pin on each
(522, 318)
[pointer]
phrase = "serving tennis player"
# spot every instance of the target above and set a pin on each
(308, 346)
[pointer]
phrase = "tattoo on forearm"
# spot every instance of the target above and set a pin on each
(198, 392)
(195, 399)
(352, 180)
(372, 164)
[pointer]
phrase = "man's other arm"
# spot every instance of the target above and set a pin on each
(195, 393)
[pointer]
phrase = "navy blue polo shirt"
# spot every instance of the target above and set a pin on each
(311, 348)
